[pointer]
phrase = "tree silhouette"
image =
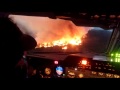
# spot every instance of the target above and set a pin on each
(96, 41)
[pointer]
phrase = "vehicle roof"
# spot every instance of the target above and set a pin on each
(91, 6)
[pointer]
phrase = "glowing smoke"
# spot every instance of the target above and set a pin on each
(44, 29)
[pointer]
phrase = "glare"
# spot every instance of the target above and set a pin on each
(118, 59)
(115, 59)
(84, 62)
(75, 68)
(116, 54)
(116, 76)
(80, 75)
(111, 60)
(55, 62)
(111, 54)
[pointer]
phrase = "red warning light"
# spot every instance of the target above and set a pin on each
(55, 62)
(84, 62)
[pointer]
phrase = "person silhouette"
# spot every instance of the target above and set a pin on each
(13, 43)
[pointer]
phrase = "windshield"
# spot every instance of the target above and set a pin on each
(58, 35)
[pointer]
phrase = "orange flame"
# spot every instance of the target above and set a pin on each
(65, 47)
(62, 42)
(50, 32)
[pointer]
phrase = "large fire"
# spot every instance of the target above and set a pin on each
(62, 42)
(51, 32)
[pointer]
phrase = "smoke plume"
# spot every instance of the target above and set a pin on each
(44, 29)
